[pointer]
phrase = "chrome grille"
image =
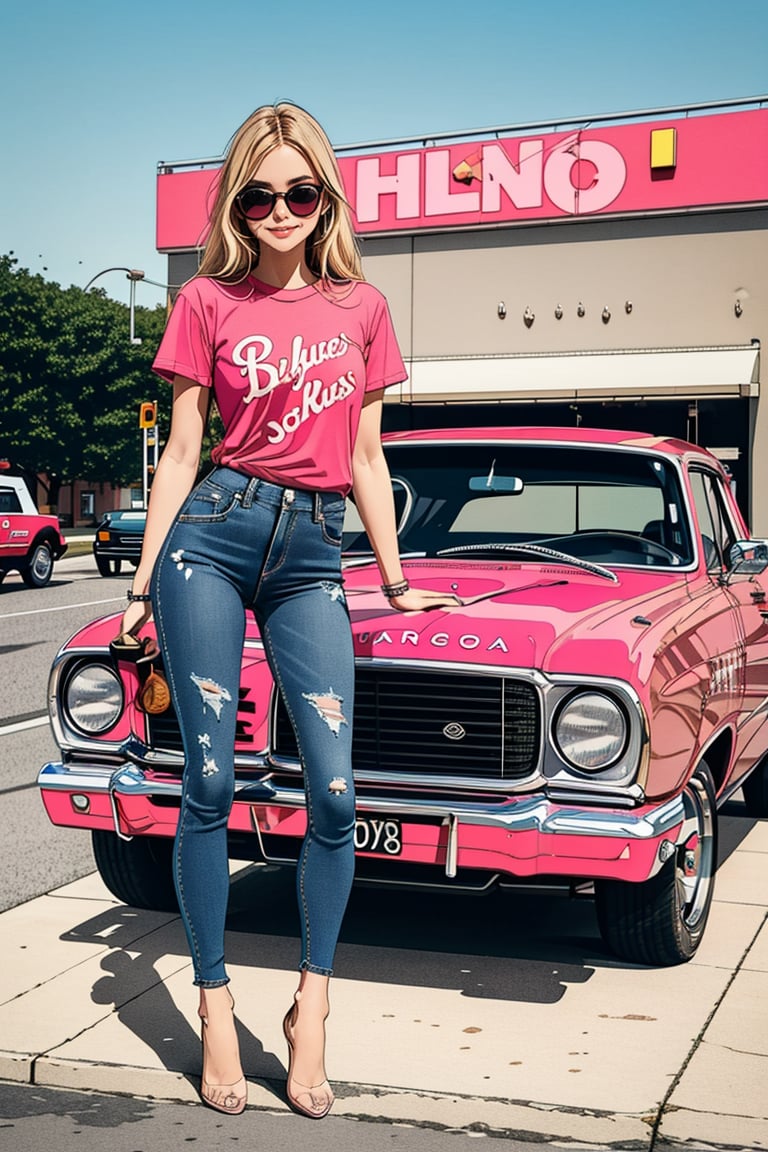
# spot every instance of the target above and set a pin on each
(429, 723)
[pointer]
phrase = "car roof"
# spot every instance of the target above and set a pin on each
(577, 437)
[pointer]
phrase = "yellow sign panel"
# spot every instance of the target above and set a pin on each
(663, 148)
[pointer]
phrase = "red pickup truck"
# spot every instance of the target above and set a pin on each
(29, 541)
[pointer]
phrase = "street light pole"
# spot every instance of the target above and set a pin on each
(133, 274)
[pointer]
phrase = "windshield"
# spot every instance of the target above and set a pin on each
(602, 505)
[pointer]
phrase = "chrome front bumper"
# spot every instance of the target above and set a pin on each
(521, 836)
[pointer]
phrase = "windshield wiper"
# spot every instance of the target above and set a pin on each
(533, 550)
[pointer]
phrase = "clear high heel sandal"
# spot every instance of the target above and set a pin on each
(228, 1098)
(316, 1105)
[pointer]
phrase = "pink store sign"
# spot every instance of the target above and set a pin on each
(645, 167)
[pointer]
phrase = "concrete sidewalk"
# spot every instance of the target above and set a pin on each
(502, 1012)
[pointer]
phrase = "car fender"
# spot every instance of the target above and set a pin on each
(48, 535)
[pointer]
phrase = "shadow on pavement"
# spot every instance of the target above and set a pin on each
(141, 1000)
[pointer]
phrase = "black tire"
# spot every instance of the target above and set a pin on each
(39, 568)
(106, 566)
(755, 789)
(661, 921)
(138, 872)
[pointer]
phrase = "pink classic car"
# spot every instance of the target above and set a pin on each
(599, 694)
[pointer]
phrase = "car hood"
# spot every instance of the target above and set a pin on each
(551, 617)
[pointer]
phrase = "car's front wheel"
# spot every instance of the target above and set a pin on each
(108, 567)
(661, 921)
(39, 568)
(139, 871)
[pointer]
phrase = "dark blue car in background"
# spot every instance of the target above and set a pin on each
(119, 537)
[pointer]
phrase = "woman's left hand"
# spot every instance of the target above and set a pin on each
(424, 600)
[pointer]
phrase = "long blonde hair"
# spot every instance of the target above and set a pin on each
(231, 252)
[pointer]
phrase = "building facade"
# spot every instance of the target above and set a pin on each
(609, 276)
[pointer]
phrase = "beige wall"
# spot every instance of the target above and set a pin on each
(682, 275)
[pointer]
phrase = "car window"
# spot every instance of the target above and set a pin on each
(588, 506)
(9, 501)
(715, 525)
(607, 505)
(354, 533)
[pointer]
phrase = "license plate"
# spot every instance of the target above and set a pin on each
(380, 835)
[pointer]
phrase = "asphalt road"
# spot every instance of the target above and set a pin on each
(34, 623)
(32, 1118)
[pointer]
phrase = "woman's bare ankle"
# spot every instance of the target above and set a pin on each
(216, 1001)
(313, 994)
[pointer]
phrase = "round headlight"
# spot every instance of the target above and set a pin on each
(591, 731)
(94, 698)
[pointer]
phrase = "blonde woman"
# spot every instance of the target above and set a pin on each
(298, 349)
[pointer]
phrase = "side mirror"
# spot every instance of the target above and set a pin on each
(748, 557)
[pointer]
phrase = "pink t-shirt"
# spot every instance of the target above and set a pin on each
(288, 367)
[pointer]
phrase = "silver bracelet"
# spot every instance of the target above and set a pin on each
(393, 590)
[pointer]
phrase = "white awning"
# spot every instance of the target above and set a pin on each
(623, 374)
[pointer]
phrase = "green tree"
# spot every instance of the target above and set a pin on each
(71, 382)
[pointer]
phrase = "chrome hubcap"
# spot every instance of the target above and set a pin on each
(41, 565)
(695, 863)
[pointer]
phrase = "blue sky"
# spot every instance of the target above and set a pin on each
(95, 92)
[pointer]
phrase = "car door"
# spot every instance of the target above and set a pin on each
(10, 519)
(747, 593)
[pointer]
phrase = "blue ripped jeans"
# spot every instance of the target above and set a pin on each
(239, 542)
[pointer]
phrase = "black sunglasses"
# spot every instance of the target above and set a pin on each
(257, 203)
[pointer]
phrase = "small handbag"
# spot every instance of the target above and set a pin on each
(154, 695)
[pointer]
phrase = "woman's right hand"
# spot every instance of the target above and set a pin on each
(136, 615)
(424, 600)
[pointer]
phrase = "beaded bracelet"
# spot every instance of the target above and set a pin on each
(393, 590)
(138, 596)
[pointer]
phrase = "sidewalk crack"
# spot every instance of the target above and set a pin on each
(740, 1051)
(664, 1107)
